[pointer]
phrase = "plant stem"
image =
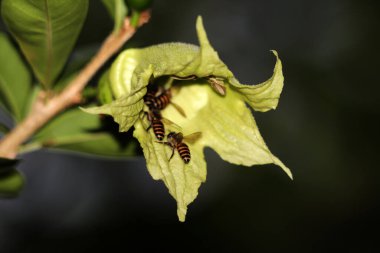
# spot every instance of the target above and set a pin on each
(46, 107)
(135, 18)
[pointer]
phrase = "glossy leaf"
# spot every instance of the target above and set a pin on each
(46, 31)
(11, 181)
(15, 79)
(77, 131)
(99, 144)
(118, 11)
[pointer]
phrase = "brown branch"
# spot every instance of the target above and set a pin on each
(45, 108)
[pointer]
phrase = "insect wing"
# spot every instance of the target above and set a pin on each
(191, 138)
(160, 91)
(171, 124)
(179, 109)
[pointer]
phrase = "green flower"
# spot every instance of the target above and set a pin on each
(221, 115)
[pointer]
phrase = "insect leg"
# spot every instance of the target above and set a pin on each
(164, 142)
(169, 144)
(147, 115)
(172, 154)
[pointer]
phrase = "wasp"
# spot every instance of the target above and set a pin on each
(157, 123)
(175, 141)
(155, 119)
(159, 98)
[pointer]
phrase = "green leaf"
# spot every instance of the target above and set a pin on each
(100, 144)
(118, 11)
(15, 80)
(46, 31)
(77, 131)
(11, 181)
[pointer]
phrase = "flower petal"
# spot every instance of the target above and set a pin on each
(264, 96)
(182, 180)
(226, 123)
(133, 68)
(124, 110)
(208, 63)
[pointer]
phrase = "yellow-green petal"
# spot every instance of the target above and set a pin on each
(124, 110)
(182, 180)
(227, 126)
(264, 96)
(105, 94)
(134, 68)
(226, 123)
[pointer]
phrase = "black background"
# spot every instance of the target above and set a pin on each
(325, 129)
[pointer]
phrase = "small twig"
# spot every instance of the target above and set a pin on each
(45, 108)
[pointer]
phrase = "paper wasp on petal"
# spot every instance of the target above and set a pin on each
(157, 123)
(159, 98)
(155, 119)
(175, 140)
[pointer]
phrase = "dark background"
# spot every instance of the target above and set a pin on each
(325, 129)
